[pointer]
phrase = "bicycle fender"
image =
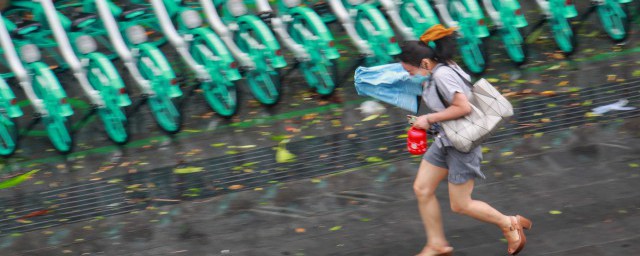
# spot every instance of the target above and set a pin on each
(52, 86)
(161, 62)
(7, 97)
(115, 80)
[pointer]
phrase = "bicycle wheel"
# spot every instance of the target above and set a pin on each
(112, 116)
(163, 109)
(264, 81)
(614, 19)
(220, 93)
(8, 135)
(563, 34)
(319, 77)
(58, 130)
(514, 44)
(265, 86)
(57, 125)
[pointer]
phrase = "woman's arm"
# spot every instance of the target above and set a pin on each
(459, 107)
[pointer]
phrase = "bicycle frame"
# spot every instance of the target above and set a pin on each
(94, 72)
(368, 29)
(40, 85)
(304, 33)
(145, 62)
(215, 67)
(253, 44)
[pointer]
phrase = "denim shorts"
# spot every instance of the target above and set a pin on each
(462, 166)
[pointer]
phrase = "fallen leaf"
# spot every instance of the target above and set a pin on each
(300, 230)
(35, 214)
(634, 165)
(282, 154)
(336, 228)
(17, 180)
(508, 153)
(236, 187)
(555, 212)
(591, 114)
(187, 170)
(611, 78)
(371, 117)
(545, 120)
(374, 159)
(548, 93)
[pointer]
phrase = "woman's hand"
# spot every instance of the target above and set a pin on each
(422, 122)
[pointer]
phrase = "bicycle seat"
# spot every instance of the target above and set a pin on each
(26, 27)
(132, 11)
(82, 19)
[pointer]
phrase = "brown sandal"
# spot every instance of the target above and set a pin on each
(517, 223)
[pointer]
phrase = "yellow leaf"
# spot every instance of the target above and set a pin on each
(282, 154)
(555, 212)
(508, 153)
(563, 83)
(591, 114)
(371, 117)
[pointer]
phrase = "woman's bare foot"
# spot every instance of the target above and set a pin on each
(431, 250)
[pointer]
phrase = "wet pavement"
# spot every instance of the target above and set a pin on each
(217, 189)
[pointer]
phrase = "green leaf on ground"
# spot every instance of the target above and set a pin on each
(634, 165)
(555, 212)
(15, 181)
(374, 159)
(187, 170)
(336, 228)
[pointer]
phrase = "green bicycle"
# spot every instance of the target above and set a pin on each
(469, 18)
(147, 65)
(559, 13)
(42, 88)
(94, 72)
(303, 32)
(252, 43)
(203, 52)
(368, 29)
(8, 111)
(508, 18)
(614, 16)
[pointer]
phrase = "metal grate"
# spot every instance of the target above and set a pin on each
(316, 157)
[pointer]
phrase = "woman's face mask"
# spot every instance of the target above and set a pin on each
(414, 71)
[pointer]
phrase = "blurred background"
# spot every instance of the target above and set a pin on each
(233, 128)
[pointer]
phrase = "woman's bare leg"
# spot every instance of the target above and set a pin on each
(427, 180)
(461, 202)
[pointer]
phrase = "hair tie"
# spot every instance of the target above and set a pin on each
(436, 32)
